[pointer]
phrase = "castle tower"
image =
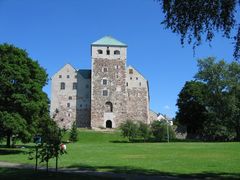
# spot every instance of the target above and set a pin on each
(108, 86)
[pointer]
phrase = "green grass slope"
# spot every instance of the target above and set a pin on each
(108, 151)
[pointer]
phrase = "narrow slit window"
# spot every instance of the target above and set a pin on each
(74, 86)
(62, 86)
(104, 82)
(105, 69)
(105, 93)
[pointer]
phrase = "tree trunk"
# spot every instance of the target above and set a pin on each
(8, 141)
(57, 163)
(238, 134)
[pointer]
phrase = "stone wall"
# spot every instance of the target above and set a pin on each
(116, 89)
(153, 116)
(63, 101)
(137, 96)
(83, 105)
(71, 104)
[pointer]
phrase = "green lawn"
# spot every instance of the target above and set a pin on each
(109, 152)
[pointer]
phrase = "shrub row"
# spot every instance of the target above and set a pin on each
(156, 131)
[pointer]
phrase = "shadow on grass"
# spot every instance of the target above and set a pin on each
(152, 172)
(152, 140)
(10, 151)
(28, 174)
(16, 150)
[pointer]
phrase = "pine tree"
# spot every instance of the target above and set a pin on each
(74, 133)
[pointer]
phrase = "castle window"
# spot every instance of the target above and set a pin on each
(70, 97)
(68, 76)
(69, 115)
(74, 85)
(130, 78)
(108, 107)
(105, 69)
(136, 78)
(105, 92)
(99, 51)
(68, 105)
(140, 84)
(130, 71)
(108, 52)
(62, 86)
(60, 76)
(104, 81)
(116, 52)
(116, 67)
(127, 84)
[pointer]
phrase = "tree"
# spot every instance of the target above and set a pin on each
(222, 100)
(51, 144)
(194, 19)
(191, 107)
(144, 131)
(74, 133)
(210, 106)
(22, 101)
(129, 129)
(161, 130)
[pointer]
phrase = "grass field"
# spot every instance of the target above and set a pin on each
(108, 151)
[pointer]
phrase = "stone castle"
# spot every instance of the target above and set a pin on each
(103, 97)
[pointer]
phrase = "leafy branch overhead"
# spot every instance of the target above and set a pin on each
(193, 20)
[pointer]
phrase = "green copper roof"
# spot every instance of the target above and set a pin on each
(108, 41)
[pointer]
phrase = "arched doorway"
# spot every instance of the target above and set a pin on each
(108, 124)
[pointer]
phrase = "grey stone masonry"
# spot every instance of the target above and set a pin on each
(108, 76)
(103, 97)
(70, 100)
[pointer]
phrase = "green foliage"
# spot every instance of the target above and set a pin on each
(161, 130)
(74, 133)
(211, 104)
(50, 147)
(191, 107)
(144, 131)
(129, 129)
(22, 101)
(139, 130)
(193, 20)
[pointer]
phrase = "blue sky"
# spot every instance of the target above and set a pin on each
(56, 32)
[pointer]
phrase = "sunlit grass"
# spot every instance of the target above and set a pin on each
(108, 151)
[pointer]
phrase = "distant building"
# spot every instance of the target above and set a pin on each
(103, 97)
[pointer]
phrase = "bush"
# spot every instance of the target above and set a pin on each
(159, 131)
(144, 131)
(129, 129)
(74, 133)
